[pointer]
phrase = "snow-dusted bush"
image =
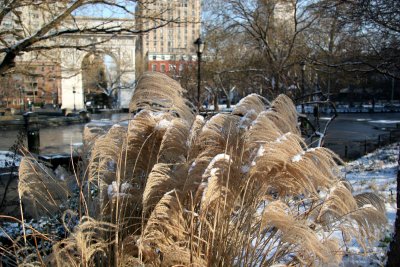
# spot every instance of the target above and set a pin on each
(239, 189)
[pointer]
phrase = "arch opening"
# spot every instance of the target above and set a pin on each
(100, 80)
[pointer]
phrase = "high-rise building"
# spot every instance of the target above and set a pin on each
(169, 48)
(284, 11)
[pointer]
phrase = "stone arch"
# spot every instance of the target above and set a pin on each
(120, 48)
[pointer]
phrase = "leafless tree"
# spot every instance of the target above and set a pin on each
(375, 29)
(274, 31)
(34, 26)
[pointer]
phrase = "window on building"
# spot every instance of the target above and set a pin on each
(154, 57)
(7, 24)
(162, 68)
(154, 67)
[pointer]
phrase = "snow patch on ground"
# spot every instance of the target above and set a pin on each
(385, 121)
(6, 159)
(375, 172)
(116, 190)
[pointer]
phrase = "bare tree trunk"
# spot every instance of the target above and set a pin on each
(228, 101)
(216, 107)
(110, 101)
(394, 249)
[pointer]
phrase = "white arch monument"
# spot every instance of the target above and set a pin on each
(121, 47)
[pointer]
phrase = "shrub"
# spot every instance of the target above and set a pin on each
(238, 189)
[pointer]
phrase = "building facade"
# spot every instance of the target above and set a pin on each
(36, 78)
(170, 48)
(39, 85)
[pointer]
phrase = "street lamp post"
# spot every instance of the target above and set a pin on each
(392, 94)
(73, 91)
(199, 49)
(303, 68)
(21, 98)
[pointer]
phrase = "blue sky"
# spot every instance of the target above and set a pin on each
(105, 11)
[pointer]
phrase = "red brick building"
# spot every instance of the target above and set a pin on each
(36, 82)
(170, 64)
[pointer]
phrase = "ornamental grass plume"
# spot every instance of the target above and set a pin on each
(238, 189)
(40, 187)
(157, 92)
(84, 244)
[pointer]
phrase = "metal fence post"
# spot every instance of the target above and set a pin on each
(365, 146)
(32, 131)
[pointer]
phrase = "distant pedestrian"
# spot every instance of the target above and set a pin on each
(316, 116)
(315, 111)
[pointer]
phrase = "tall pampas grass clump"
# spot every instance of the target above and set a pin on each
(238, 189)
